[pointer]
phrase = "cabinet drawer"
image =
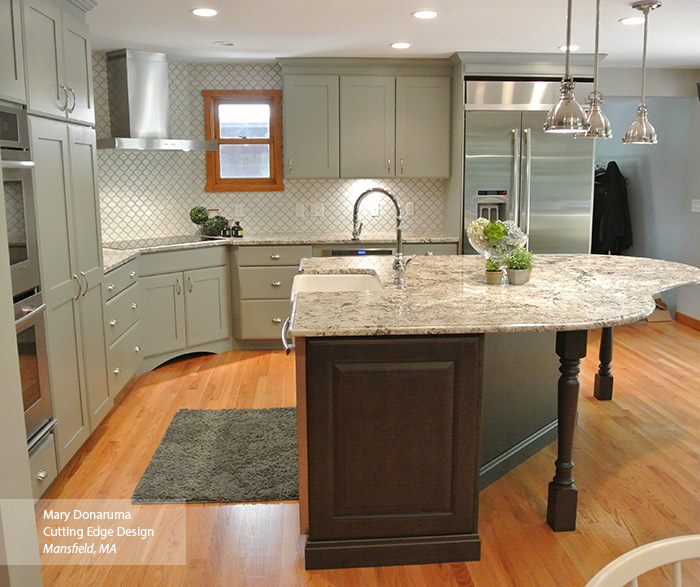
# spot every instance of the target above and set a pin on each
(266, 282)
(124, 359)
(272, 255)
(119, 279)
(121, 312)
(263, 319)
(183, 260)
(427, 248)
(43, 468)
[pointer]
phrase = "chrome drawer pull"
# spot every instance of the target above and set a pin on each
(275, 256)
(276, 284)
(41, 475)
(277, 320)
(117, 370)
(137, 349)
(110, 286)
(112, 322)
(134, 305)
(132, 274)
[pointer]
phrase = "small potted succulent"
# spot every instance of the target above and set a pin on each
(494, 274)
(518, 266)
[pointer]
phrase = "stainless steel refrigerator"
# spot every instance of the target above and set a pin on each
(543, 181)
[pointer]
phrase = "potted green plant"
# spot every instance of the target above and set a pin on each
(518, 266)
(494, 274)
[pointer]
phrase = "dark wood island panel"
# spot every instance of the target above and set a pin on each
(392, 434)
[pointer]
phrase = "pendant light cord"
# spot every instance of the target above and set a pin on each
(597, 53)
(568, 39)
(644, 55)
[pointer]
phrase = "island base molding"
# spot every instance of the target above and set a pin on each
(381, 552)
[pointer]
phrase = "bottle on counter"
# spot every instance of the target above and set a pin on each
(226, 230)
(237, 229)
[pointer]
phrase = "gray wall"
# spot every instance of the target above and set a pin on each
(658, 181)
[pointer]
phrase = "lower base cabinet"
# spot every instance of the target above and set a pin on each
(389, 449)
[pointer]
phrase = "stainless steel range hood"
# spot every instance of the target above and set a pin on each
(139, 104)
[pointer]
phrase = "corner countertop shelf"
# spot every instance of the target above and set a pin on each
(116, 253)
(449, 295)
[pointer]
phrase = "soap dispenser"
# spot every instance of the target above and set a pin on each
(237, 229)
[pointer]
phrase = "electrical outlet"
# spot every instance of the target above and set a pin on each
(374, 209)
(695, 206)
(410, 209)
(300, 211)
(316, 209)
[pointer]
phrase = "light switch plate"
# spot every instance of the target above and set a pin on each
(316, 209)
(695, 206)
(410, 209)
(374, 209)
(299, 209)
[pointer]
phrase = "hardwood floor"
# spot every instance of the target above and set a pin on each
(637, 468)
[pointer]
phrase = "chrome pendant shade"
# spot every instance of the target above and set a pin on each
(642, 132)
(567, 116)
(598, 124)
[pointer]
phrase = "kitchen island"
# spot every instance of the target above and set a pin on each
(389, 394)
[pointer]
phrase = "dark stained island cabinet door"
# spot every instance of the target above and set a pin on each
(392, 438)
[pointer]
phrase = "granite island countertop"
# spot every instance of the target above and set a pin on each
(116, 253)
(449, 295)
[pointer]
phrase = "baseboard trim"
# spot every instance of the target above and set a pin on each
(688, 320)
(495, 469)
(381, 552)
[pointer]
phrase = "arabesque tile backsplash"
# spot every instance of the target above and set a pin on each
(147, 194)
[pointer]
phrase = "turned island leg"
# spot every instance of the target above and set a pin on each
(563, 495)
(603, 387)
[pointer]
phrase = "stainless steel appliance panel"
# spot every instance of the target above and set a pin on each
(557, 189)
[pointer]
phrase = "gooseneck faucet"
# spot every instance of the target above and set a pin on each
(400, 263)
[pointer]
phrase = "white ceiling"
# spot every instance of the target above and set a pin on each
(265, 29)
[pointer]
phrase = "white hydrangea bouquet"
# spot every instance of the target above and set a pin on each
(494, 239)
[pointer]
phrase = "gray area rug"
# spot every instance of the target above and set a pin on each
(224, 456)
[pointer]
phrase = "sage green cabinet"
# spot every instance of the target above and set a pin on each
(72, 277)
(394, 126)
(310, 126)
(58, 62)
(11, 56)
(184, 310)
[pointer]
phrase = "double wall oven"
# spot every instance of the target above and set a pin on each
(18, 191)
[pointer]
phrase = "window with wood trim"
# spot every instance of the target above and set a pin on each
(247, 124)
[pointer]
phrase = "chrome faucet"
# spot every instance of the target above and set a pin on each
(400, 263)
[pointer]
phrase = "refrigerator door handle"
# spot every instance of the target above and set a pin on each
(515, 183)
(525, 211)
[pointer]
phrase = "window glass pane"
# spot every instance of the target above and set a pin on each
(238, 161)
(250, 121)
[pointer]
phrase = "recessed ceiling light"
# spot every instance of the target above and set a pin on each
(224, 43)
(400, 45)
(632, 20)
(571, 48)
(204, 12)
(425, 14)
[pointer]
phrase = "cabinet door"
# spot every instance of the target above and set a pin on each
(422, 126)
(367, 105)
(44, 57)
(310, 119)
(207, 305)
(163, 313)
(11, 55)
(78, 69)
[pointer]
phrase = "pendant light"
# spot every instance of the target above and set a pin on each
(641, 132)
(599, 124)
(567, 116)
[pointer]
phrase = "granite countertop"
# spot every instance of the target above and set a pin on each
(117, 253)
(449, 295)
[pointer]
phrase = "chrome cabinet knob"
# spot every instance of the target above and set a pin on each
(112, 322)
(137, 348)
(275, 256)
(117, 370)
(277, 320)
(41, 475)
(276, 284)
(132, 274)
(110, 286)
(134, 305)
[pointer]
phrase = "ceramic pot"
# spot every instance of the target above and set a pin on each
(518, 276)
(494, 277)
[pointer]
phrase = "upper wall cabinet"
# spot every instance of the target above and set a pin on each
(366, 118)
(58, 63)
(11, 57)
(394, 126)
(310, 126)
